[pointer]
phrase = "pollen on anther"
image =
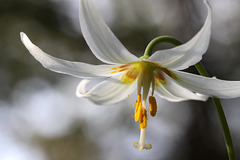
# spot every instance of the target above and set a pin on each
(153, 105)
(143, 119)
(138, 105)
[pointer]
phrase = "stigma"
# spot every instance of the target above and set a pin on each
(141, 144)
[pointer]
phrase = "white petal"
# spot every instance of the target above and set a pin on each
(86, 84)
(100, 38)
(109, 91)
(81, 88)
(76, 69)
(209, 86)
(188, 54)
(175, 93)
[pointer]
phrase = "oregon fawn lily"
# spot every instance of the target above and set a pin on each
(124, 73)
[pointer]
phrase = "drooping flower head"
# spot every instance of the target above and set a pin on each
(124, 73)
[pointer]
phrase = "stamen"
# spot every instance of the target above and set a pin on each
(141, 144)
(140, 113)
(138, 104)
(153, 84)
(143, 119)
(153, 106)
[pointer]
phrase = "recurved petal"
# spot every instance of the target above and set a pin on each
(86, 84)
(208, 86)
(100, 38)
(109, 91)
(76, 69)
(173, 92)
(188, 54)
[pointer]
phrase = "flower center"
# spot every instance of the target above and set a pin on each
(145, 79)
(147, 74)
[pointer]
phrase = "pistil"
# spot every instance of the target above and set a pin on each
(141, 145)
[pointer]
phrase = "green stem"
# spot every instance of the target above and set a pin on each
(203, 72)
(149, 50)
(222, 118)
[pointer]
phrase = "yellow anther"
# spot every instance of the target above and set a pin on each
(138, 104)
(153, 106)
(140, 113)
(143, 118)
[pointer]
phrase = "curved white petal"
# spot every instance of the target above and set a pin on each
(100, 38)
(175, 93)
(109, 91)
(76, 69)
(86, 84)
(209, 86)
(188, 54)
(81, 88)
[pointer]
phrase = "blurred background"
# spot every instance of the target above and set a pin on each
(42, 119)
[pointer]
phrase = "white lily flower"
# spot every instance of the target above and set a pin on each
(124, 72)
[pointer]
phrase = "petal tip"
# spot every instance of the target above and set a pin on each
(205, 1)
(24, 38)
(81, 88)
(22, 35)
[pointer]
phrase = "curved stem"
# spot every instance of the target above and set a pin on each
(203, 72)
(148, 51)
